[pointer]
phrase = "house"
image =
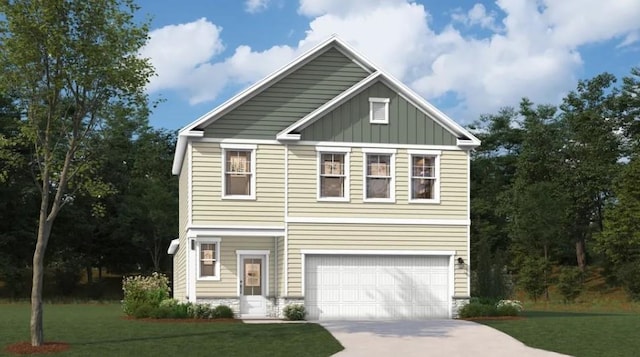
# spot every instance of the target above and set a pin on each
(330, 184)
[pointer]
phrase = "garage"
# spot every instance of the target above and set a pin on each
(377, 287)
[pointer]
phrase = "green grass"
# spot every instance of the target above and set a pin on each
(580, 334)
(100, 330)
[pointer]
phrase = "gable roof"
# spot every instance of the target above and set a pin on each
(196, 128)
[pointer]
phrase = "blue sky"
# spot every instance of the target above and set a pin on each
(466, 57)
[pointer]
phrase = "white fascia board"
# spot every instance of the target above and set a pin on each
(327, 107)
(173, 247)
(181, 148)
(376, 252)
(264, 83)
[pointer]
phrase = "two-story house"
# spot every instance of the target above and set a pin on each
(330, 184)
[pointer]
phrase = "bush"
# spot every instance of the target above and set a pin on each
(144, 290)
(507, 310)
(517, 305)
(533, 276)
(294, 312)
(570, 283)
(222, 312)
(629, 277)
(143, 311)
(476, 309)
(201, 311)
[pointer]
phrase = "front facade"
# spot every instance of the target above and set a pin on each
(328, 184)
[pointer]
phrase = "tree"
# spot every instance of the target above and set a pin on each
(70, 64)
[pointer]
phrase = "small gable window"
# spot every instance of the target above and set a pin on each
(379, 110)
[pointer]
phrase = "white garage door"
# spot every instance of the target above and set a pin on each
(372, 287)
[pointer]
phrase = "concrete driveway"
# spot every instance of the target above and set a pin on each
(450, 338)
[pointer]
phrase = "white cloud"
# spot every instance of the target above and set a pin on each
(532, 48)
(255, 6)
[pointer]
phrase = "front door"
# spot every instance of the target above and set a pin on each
(253, 300)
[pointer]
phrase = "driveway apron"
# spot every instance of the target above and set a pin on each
(450, 338)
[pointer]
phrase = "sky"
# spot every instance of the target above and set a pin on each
(467, 57)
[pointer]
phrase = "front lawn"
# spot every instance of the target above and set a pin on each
(580, 334)
(101, 330)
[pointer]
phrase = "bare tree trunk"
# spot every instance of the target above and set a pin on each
(44, 231)
(581, 254)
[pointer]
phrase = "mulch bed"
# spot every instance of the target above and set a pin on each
(149, 319)
(485, 318)
(25, 348)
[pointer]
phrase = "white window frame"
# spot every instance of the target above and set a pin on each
(252, 186)
(320, 150)
(198, 245)
(436, 186)
(392, 182)
(384, 101)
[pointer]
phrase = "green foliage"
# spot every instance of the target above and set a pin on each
(629, 276)
(489, 279)
(222, 312)
(141, 291)
(294, 312)
(570, 283)
(488, 307)
(533, 276)
(476, 309)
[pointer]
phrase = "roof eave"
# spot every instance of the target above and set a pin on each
(181, 148)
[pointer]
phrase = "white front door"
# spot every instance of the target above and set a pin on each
(253, 301)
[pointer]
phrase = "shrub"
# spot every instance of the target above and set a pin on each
(144, 290)
(629, 276)
(144, 310)
(516, 304)
(222, 312)
(570, 283)
(476, 309)
(507, 310)
(533, 276)
(202, 311)
(294, 312)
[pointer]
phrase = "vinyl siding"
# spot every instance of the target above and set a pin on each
(179, 258)
(350, 122)
(227, 286)
(280, 270)
(289, 99)
(209, 208)
(303, 189)
(374, 237)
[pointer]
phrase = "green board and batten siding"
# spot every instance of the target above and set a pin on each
(290, 99)
(350, 122)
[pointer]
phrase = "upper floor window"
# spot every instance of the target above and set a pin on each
(424, 181)
(379, 172)
(333, 174)
(379, 110)
(239, 179)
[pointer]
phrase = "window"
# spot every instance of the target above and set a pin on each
(378, 176)
(424, 176)
(208, 252)
(379, 110)
(333, 174)
(239, 171)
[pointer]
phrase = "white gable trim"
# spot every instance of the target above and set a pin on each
(173, 247)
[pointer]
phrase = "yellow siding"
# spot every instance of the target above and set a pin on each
(227, 286)
(303, 189)
(210, 209)
(180, 259)
(374, 237)
(280, 271)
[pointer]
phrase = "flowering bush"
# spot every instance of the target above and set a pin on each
(294, 312)
(512, 303)
(144, 292)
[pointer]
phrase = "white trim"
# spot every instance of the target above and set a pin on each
(469, 227)
(385, 101)
(452, 282)
(347, 178)
(173, 246)
(239, 141)
(285, 249)
(436, 187)
(181, 146)
(377, 150)
(262, 254)
(198, 243)
(333, 149)
(252, 148)
(189, 183)
(385, 221)
(236, 231)
(326, 107)
(238, 146)
(378, 145)
(376, 252)
(392, 170)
